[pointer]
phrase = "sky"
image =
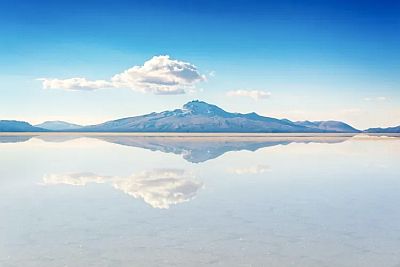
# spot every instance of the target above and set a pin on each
(91, 61)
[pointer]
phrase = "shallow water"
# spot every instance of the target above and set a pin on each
(135, 200)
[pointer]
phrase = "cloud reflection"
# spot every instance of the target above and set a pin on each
(256, 169)
(160, 188)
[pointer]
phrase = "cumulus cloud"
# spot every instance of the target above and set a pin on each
(254, 94)
(159, 75)
(160, 188)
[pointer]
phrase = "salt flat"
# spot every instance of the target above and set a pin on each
(199, 200)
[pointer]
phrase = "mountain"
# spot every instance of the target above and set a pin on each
(198, 116)
(329, 126)
(194, 117)
(18, 126)
(58, 125)
(384, 130)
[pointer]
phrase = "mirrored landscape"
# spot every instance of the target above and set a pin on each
(199, 200)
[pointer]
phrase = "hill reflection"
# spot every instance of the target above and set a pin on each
(201, 149)
(194, 149)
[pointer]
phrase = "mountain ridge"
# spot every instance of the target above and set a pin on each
(199, 116)
(195, 117)
(395, 129)
(58, 125)
(18, 126)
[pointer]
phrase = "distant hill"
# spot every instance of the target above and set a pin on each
(58, 125)
(198, 116)
(18, 126)
(329, 126)
(384, 130)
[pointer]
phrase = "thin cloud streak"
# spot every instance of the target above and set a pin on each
(379, 98)
(254, 94)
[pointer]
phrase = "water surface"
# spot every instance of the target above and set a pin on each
(199, 200)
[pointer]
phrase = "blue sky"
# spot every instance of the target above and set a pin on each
(288, 59)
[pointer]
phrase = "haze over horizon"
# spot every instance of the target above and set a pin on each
(95, 61)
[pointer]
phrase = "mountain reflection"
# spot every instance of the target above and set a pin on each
(14, 138)
(160, 188)
(194, 149)
(201, 149)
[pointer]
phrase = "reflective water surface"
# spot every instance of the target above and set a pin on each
(191, 200)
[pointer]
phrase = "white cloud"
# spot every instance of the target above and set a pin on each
(378, 98)
(160, 188)
(159, 75)
(80, 84)
(255, 94)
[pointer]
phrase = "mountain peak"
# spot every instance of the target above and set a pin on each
(201, 107)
